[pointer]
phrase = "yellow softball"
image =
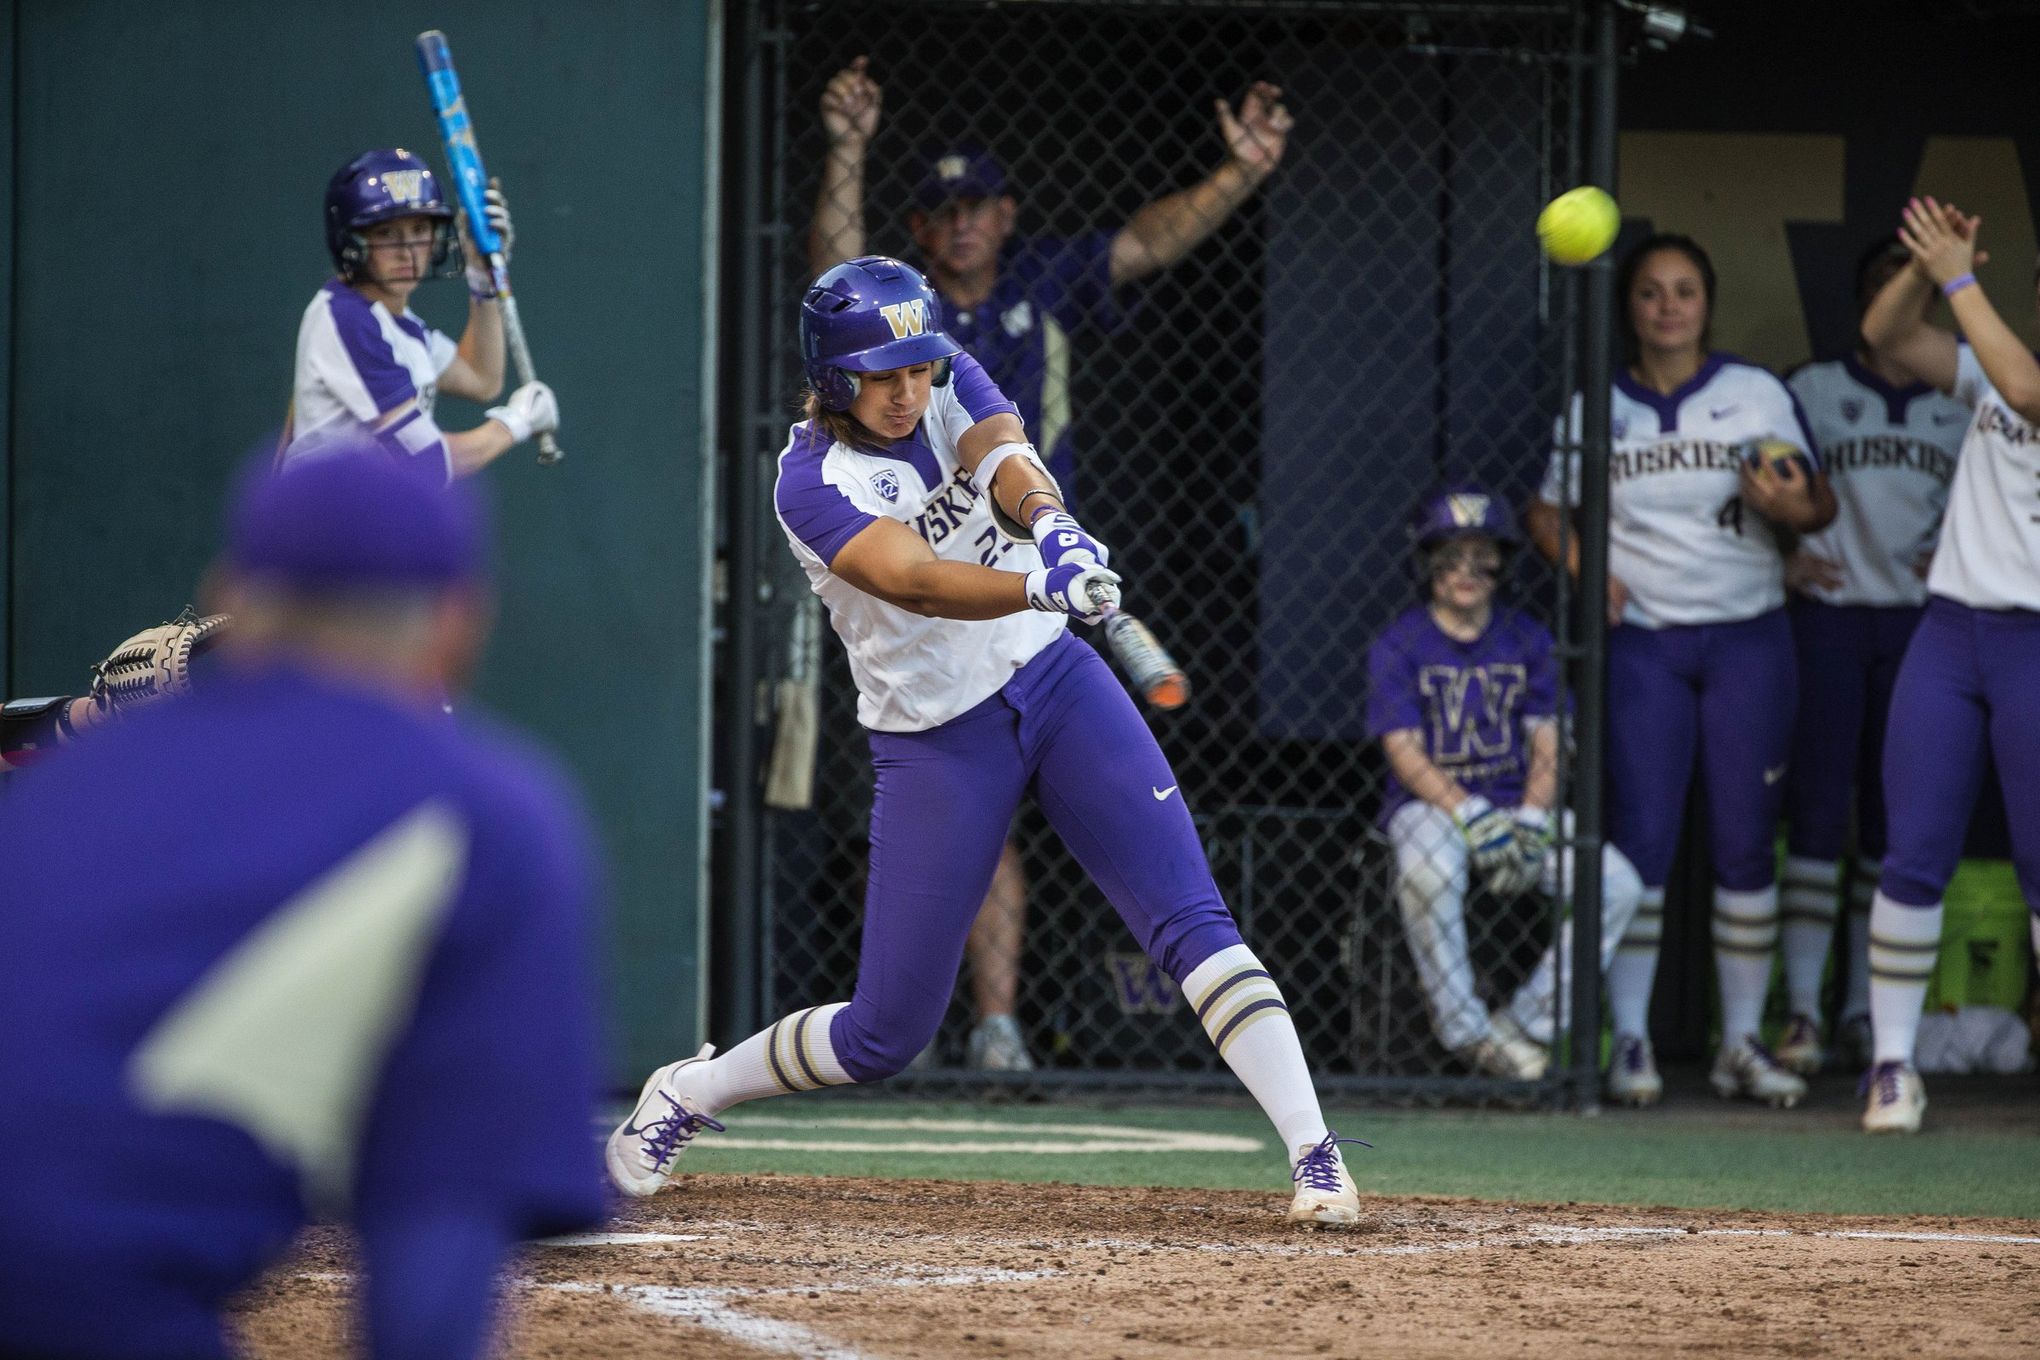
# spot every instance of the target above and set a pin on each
(1578, 225)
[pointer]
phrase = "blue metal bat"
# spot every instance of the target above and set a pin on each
(470, 182)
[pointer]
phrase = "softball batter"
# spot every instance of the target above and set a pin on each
(903, 495)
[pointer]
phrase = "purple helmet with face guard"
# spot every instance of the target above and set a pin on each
(869, 315)
(381, 186)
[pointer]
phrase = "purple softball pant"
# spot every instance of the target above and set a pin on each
(1063, 728)
(1971, 676)
(1723, 693)
(1848, 663)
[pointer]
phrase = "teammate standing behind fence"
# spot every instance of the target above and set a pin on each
(1888, 442)
(1972, 673)
(1013, 301)
(902, 496)
(368, 368)
(286, 943)
(1700, 663)
(1463, 695)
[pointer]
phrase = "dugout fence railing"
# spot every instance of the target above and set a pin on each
(1249, 427)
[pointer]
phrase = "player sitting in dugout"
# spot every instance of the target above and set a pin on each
(1463, 696)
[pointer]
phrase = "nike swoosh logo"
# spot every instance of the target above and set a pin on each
(1724, 411)
(1162, 795)
(1774, 774)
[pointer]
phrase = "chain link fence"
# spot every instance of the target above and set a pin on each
(1248, 340)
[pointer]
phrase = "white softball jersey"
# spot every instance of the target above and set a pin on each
(912, 672)
(1890, 455)
(1989, 556)
(1679, 536)
(363, 374)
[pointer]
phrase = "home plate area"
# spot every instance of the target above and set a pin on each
(863, 1269)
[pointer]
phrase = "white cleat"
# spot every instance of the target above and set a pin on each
(1746, 1068)
(1799, 1047)
(996, 1045)
(1506, 1052)
(642, 1151)
(1897, 1098)
(1632, 1072)
(1325, 1193)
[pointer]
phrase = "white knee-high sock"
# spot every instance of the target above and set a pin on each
(1634, 970)
(1745, 938)
(791, 1054)
(1856, 933)
(1809, 900)
(1242, 1010)
(1903, 943)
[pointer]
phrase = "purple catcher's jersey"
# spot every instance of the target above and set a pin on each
(1472, 701)
(284, 946)
(1048, 286)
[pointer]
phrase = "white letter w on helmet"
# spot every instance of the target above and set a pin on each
(907, 318)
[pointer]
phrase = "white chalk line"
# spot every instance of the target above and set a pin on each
(709, 1307)
(1070, 1140)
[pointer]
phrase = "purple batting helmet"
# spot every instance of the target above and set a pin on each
(380, 186)
(867, 316)
(1458, 510)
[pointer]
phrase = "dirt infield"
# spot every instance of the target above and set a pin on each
(746, 1266)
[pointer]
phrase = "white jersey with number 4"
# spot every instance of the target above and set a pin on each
(1679, 536)
(1989, 556)
(1890, 455)
(912, 672)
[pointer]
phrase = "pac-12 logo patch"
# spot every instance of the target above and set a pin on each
(909, 318)
(1852, 410)
(887, 483)
(1618, 428)
(405, 186)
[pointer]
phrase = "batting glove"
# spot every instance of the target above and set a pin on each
(532, 409)
(1491, 835)
(1067, 589)
(1062, 540)
(480, 281)
(1533, 842)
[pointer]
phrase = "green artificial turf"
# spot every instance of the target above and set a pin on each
(1691, 1157)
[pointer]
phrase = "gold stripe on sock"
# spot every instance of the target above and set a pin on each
(1245, 1019)
(1236, 1002)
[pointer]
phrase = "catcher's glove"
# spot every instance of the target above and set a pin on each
(153, 663)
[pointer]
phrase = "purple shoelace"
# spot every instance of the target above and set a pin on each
(1884, 1076)
(1318, 1169)
(666, 1136)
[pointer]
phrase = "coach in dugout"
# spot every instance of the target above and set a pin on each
(296, 943)
(1013, 300)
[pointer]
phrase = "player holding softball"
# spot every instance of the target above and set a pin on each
(1463, 695)
(1972, 673)
(903, 495)
(367, 365)
(1888, 443)
(1700, 661)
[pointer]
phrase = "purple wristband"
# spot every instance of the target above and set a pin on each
(1957, 284)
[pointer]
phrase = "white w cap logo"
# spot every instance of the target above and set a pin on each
(1467, 510)
(908, 318)
(405, 186)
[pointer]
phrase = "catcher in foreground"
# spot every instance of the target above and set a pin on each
(151, 665)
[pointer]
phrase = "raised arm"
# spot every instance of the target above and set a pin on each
(1895, 326)
(850, 105)
(1169, 228)
(1943, 243)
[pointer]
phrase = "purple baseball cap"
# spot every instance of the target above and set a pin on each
(960, 172)
(354, 519)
